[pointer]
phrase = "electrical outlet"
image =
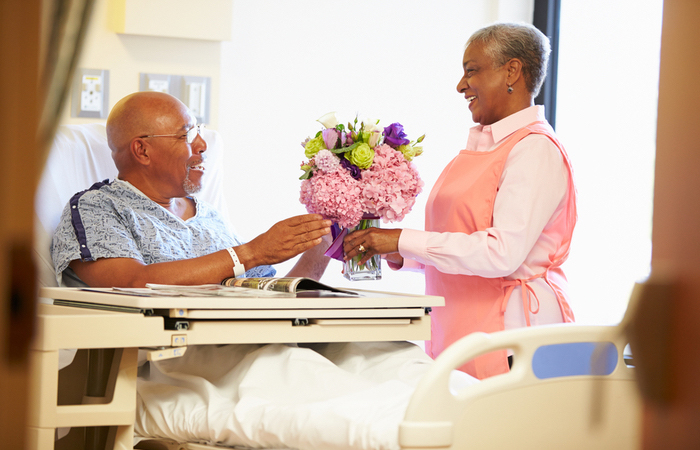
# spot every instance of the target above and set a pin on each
(156, 82)
(90, 93)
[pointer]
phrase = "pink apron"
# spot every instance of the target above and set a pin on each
(462, 200)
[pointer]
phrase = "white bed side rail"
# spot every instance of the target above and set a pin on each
(532, 406)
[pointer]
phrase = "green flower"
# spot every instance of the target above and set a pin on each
(362, 156)
(313, 146)
(409, 151)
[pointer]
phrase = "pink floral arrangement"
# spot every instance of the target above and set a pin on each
(358, 172)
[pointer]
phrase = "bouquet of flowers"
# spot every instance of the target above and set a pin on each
(357, 173)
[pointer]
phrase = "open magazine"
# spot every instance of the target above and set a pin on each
(239, 287)
(293, 285)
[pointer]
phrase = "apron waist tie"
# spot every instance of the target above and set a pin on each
(527, 294)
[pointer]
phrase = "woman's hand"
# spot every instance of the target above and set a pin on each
(370, 242)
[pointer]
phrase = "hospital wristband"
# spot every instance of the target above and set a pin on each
(238, 268)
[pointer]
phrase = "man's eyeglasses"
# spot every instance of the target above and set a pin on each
(190, 135)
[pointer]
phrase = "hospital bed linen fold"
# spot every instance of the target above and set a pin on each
(331, 396)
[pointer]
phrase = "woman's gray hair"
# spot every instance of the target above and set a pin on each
(505, 41)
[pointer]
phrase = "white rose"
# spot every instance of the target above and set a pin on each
(328, 120)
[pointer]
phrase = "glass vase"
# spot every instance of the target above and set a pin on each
(372, 269)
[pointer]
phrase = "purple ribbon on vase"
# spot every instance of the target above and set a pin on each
(335, 251)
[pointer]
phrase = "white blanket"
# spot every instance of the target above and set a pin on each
(324, 396)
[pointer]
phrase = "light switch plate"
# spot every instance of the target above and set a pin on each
(90, 96)
(196, 96)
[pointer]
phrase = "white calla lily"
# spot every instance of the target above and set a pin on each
(328, 120)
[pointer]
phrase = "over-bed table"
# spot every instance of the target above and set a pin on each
(185, 321)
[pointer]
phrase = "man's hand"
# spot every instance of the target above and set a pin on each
(286, 239)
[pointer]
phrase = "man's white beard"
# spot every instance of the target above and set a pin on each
(189, 187)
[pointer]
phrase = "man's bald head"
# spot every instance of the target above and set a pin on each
(140, 114)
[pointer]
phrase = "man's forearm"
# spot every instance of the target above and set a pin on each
(313, 262)
(284, 240)
(126, 272)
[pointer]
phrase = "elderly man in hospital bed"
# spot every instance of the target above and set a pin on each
(147, 227)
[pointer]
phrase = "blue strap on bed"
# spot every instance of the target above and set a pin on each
(575, 358)
(77, 222)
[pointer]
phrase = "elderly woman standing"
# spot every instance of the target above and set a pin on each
(500, 218)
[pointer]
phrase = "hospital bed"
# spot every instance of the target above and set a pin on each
(570, 386)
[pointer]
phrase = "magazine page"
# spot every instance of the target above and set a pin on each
(202, 290)
(285, 284)
(265, 283)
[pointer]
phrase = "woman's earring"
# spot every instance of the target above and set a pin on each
(510, 89)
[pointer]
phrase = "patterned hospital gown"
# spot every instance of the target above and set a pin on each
(115, 220)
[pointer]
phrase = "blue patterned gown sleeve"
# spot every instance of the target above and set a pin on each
(115, 220)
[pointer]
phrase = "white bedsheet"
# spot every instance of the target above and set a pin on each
(325, 396)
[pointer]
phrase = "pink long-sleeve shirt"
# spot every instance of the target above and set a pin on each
(531, 198)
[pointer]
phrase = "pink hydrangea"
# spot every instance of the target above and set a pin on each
(335, 195)
(390, 186)
(326, 161)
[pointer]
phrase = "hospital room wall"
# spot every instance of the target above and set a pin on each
(127, 55)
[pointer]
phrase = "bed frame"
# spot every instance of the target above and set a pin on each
(570, 387)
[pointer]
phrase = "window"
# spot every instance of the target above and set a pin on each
(607, 95)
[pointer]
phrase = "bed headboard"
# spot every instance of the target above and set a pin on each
(79, 157)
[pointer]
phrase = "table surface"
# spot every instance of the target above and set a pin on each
(365, 299)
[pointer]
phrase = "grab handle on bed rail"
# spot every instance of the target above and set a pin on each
(426, 404)
(437, 404)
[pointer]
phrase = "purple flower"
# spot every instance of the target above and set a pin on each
(394, 135)
(330, 137)
(355, 171)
